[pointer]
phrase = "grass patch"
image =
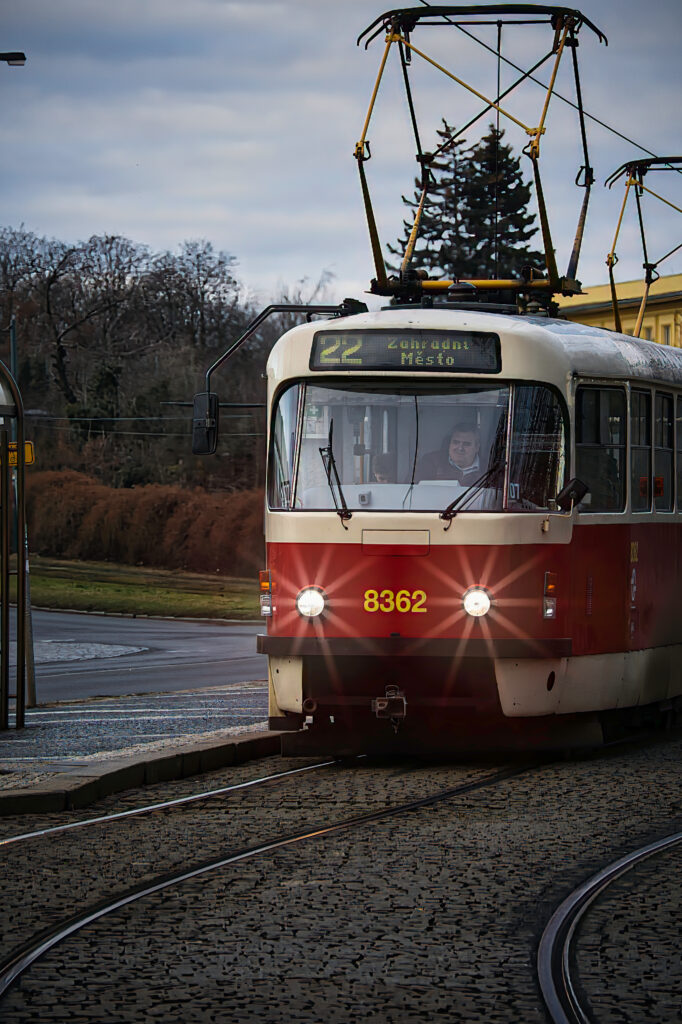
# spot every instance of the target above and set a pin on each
(133, 590)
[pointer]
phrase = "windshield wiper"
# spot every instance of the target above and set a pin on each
(329, 463)
(472, 490)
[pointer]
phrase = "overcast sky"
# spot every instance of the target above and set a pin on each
(165, 120)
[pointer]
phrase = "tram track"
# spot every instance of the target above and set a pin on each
(556, 974)
(162, 805)
(326, 888)
(21, 959)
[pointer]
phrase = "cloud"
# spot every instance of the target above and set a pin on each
(236, 122)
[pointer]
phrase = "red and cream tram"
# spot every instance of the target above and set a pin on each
(473, 528)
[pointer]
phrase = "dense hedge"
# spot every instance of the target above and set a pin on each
(71, 515)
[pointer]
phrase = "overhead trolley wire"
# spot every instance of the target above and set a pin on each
(537, 81)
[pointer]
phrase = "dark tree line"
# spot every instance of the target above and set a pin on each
(108, 332)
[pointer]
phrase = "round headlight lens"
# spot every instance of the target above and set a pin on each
(310, 602)
(476, 602)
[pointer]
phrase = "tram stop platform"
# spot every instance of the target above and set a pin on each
(71, 754)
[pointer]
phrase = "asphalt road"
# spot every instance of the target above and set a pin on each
(80, 656)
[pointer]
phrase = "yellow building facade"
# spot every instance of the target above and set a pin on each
(662, 318)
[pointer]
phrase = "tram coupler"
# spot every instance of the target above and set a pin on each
(392, 706)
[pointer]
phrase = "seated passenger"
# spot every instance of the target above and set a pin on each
(383, 468)
(459, 461)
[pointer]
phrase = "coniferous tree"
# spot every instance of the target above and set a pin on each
(475, 222)
(497, 220)
(441, 243)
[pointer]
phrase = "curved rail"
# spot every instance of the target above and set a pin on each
(553, 962)
(14, 966)
(163, 805)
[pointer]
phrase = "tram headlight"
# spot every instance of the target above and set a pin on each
(310, 602)
(476, 602)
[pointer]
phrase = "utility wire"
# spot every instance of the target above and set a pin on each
(122, 419)
(148, 433)
(100, 419)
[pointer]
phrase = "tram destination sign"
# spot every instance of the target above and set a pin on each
(413, 350)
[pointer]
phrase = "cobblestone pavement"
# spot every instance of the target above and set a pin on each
(64, 736)
(628, 947)
(431, 916)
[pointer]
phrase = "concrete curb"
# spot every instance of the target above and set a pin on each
(143, 615)
(83, 786)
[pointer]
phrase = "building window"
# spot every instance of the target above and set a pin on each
(640, 451)
(646, 334)
(600, 419)
(666, 334)
(663, 453)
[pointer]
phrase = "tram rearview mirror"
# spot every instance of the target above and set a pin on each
(572, 494)
(205, 423)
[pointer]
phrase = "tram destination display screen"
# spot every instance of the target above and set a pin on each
(413, 350)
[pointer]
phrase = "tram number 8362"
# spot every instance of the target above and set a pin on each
(388, 601)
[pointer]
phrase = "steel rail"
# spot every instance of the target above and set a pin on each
(13, 967)
(206, 795)
(554, 951)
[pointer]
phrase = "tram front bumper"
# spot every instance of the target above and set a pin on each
(353, 676)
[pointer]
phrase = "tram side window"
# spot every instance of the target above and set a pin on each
(679, 453)
(282, 450)
(663, 453)
(537, 455)
(600, 419)
(640, 450)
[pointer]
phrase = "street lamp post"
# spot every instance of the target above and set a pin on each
(15, 59)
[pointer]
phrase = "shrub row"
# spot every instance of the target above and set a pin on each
(71, 515)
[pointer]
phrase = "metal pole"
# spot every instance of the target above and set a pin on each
(30, 660)
(13, 368)
(22, 556)
(21, 553)
(14, 544)
(4, 580)
(30, 656)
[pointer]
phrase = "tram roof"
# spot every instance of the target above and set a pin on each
(567, 346)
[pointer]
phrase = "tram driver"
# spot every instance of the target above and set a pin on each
(459, 461)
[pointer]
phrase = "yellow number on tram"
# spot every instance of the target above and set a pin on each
(388, 601)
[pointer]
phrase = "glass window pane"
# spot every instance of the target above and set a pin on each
(663, 430)
(663, 453)
(641, 479)
(415, 448)
(640, 425)
(537, 463)
(640, 418)
(587, 416)
(663, 480)
(602, 468)
(282, 450)
(600, 447)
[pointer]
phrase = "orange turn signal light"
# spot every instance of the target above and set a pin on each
(265, 581)
(550, 584)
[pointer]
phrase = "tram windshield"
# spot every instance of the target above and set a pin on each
(405, 447)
